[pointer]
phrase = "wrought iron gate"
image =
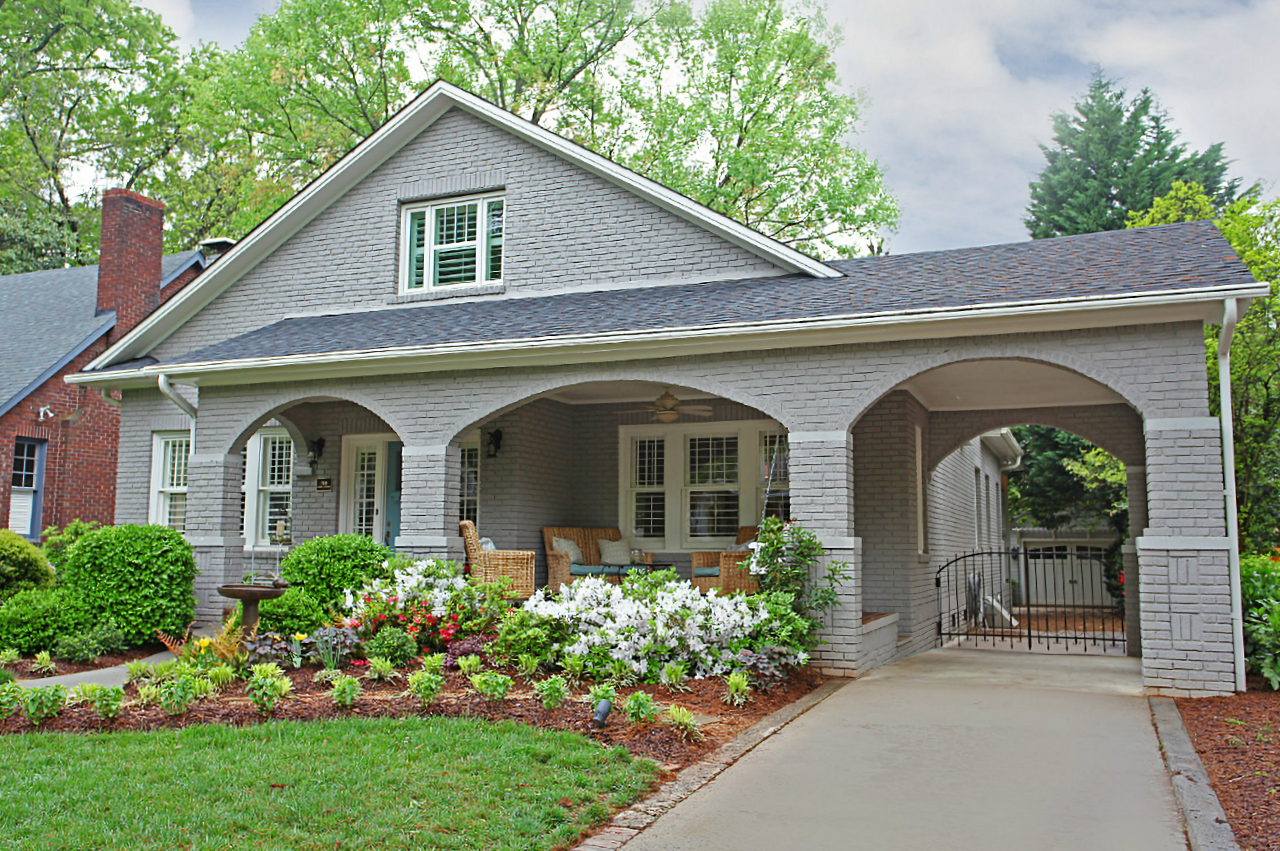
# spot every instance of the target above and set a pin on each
(1046, 600)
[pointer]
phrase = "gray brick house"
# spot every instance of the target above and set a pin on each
(467, 297)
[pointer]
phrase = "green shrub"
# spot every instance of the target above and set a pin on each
(6, 677)
(295, 612)
(44, 703)
(9, 656)
(178, 694)
(33, 620)
(345, 691)
(491, 684)
(737, 689)
(682, 721)
(44, 664)
(140, 576)
(640, 708)
(434, 663)
(470, 664)
(57, 542)
(22, 565)
(425, 685)
(552, 691)
(326, 567)
(76, 647)
(10, 698)
(603, 691)
(108, 702)
(392, 643)
(381, 668)
(107, 637)
(524, 632)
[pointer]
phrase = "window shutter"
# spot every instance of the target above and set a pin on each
(417, 249)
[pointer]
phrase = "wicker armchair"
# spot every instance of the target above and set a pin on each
(488, 565)
(586, 539)
(731, 572)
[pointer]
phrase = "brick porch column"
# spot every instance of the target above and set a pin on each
(1184, 586)
(213, 527)
(1136, 484)
(822, 501)
(429, 502)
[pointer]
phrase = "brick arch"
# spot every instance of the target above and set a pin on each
(1116, 428)
(1132, 394)
(276, 406)
(500, 401)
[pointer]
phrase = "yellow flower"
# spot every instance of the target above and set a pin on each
(204, 642)
(300, 636)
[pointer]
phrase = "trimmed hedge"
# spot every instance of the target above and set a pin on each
(140, 576)
(22, 565)
(31, 621)
(326, 567)
(291, 613)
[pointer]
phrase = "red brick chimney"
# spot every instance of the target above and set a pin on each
(131, 246)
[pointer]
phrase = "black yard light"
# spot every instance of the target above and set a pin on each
(601, 715)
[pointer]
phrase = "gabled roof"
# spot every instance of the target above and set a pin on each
(398, 131)
(48, 318)
(1185, 266)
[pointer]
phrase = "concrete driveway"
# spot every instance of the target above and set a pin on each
(955, 750)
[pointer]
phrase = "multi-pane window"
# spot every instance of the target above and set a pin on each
(24, 495)
(365, 506)
(648, 480)
(469, 496)
(712, 486)
(275, 489)
(775, 476)
(169, 476)
(453, 244)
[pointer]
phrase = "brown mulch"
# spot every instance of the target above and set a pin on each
(1238, 739)
(310, 701)
(23, 670)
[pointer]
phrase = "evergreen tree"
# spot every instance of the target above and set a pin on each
(1113, 156)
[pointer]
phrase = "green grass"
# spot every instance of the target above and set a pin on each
(416, 783)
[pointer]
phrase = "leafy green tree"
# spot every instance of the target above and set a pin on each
(1114, 156)
(1067, 482)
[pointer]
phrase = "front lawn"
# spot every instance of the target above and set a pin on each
(438, 783)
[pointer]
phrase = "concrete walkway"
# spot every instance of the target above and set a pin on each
(114, 676)
(956, 750)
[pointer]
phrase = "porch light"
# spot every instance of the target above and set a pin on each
(315, 448)
(495, 443)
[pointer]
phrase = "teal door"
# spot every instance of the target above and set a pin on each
(395, 458)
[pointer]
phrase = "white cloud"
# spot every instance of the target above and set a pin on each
(177, 15)
(961, 93)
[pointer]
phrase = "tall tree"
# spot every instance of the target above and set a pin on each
(1112, 156)
(1253, 229)
(1067, 482)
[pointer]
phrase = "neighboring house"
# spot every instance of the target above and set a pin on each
(57, 440)
(470, 316)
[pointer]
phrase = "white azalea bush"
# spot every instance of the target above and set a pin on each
(650, 620)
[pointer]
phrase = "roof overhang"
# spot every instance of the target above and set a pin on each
(108, 322)
(1005, 447)
(1200, 305)
(398, 131)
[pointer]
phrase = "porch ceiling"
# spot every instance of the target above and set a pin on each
(597, 392)
(996, 384)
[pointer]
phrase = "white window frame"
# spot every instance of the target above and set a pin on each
(158, 504)
(350, 442)
(255, 491)
(481, 242)
(472, 442)
(677, 538)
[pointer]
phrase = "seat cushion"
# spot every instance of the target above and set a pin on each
(705, 572)
(564, 545)
(594, 570)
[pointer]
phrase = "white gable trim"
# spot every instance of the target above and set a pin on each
(399, 130)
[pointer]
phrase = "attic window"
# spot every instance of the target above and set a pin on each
(452, 243)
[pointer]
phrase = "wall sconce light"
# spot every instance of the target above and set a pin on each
(315, 448)
(495, 443)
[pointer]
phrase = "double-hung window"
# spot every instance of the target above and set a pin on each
(268, 488)
(169, 455)
(712, 488)
(469, 494)
(647, 495)
(26, 486)
(452, 243)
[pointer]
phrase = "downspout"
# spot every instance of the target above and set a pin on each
(1230, 316)
(162, 381)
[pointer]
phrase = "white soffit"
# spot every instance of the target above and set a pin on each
(991, 384)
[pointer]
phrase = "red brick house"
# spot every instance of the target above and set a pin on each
(57, 440)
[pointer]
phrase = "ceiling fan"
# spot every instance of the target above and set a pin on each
(668, 409)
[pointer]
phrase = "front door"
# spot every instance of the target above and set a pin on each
(364, 485)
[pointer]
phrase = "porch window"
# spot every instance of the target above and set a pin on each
(169, 456)
(268, 488)
(455, 243)
(712, 483)
(648, 498)
(26, 486)
(469, 495)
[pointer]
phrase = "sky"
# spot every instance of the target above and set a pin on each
(959, 93)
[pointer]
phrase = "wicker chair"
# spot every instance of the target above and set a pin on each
(586, 539)
(731, 573)
(488, 565)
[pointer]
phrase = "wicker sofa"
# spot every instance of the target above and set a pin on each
(725, 570)
(488, 565)
(558, 566)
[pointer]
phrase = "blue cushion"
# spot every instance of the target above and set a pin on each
(704, 572)
(594, 570)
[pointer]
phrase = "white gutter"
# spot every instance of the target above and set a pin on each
(1230, 316)
(162, 381)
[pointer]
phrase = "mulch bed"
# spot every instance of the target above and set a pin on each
(23, 670)
(1238, 739)
(310, 701)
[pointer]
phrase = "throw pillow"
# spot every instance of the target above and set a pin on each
(564, 545)
(488, 545)
(739, 548)
(615, 552)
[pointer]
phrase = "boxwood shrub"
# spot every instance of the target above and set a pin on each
(31, 621)
(22, 565)
(326, 567)
(292, 613)
(140, 576)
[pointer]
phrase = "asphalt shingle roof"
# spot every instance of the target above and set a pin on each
(45, 315)
(1144, 260)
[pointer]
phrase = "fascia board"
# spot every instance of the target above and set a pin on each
(376, 149)
(1059, 315)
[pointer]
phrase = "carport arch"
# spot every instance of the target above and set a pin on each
(248, 426)
(1115, 428)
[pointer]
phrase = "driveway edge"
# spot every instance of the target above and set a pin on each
(640, 815)
(1207, 827)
